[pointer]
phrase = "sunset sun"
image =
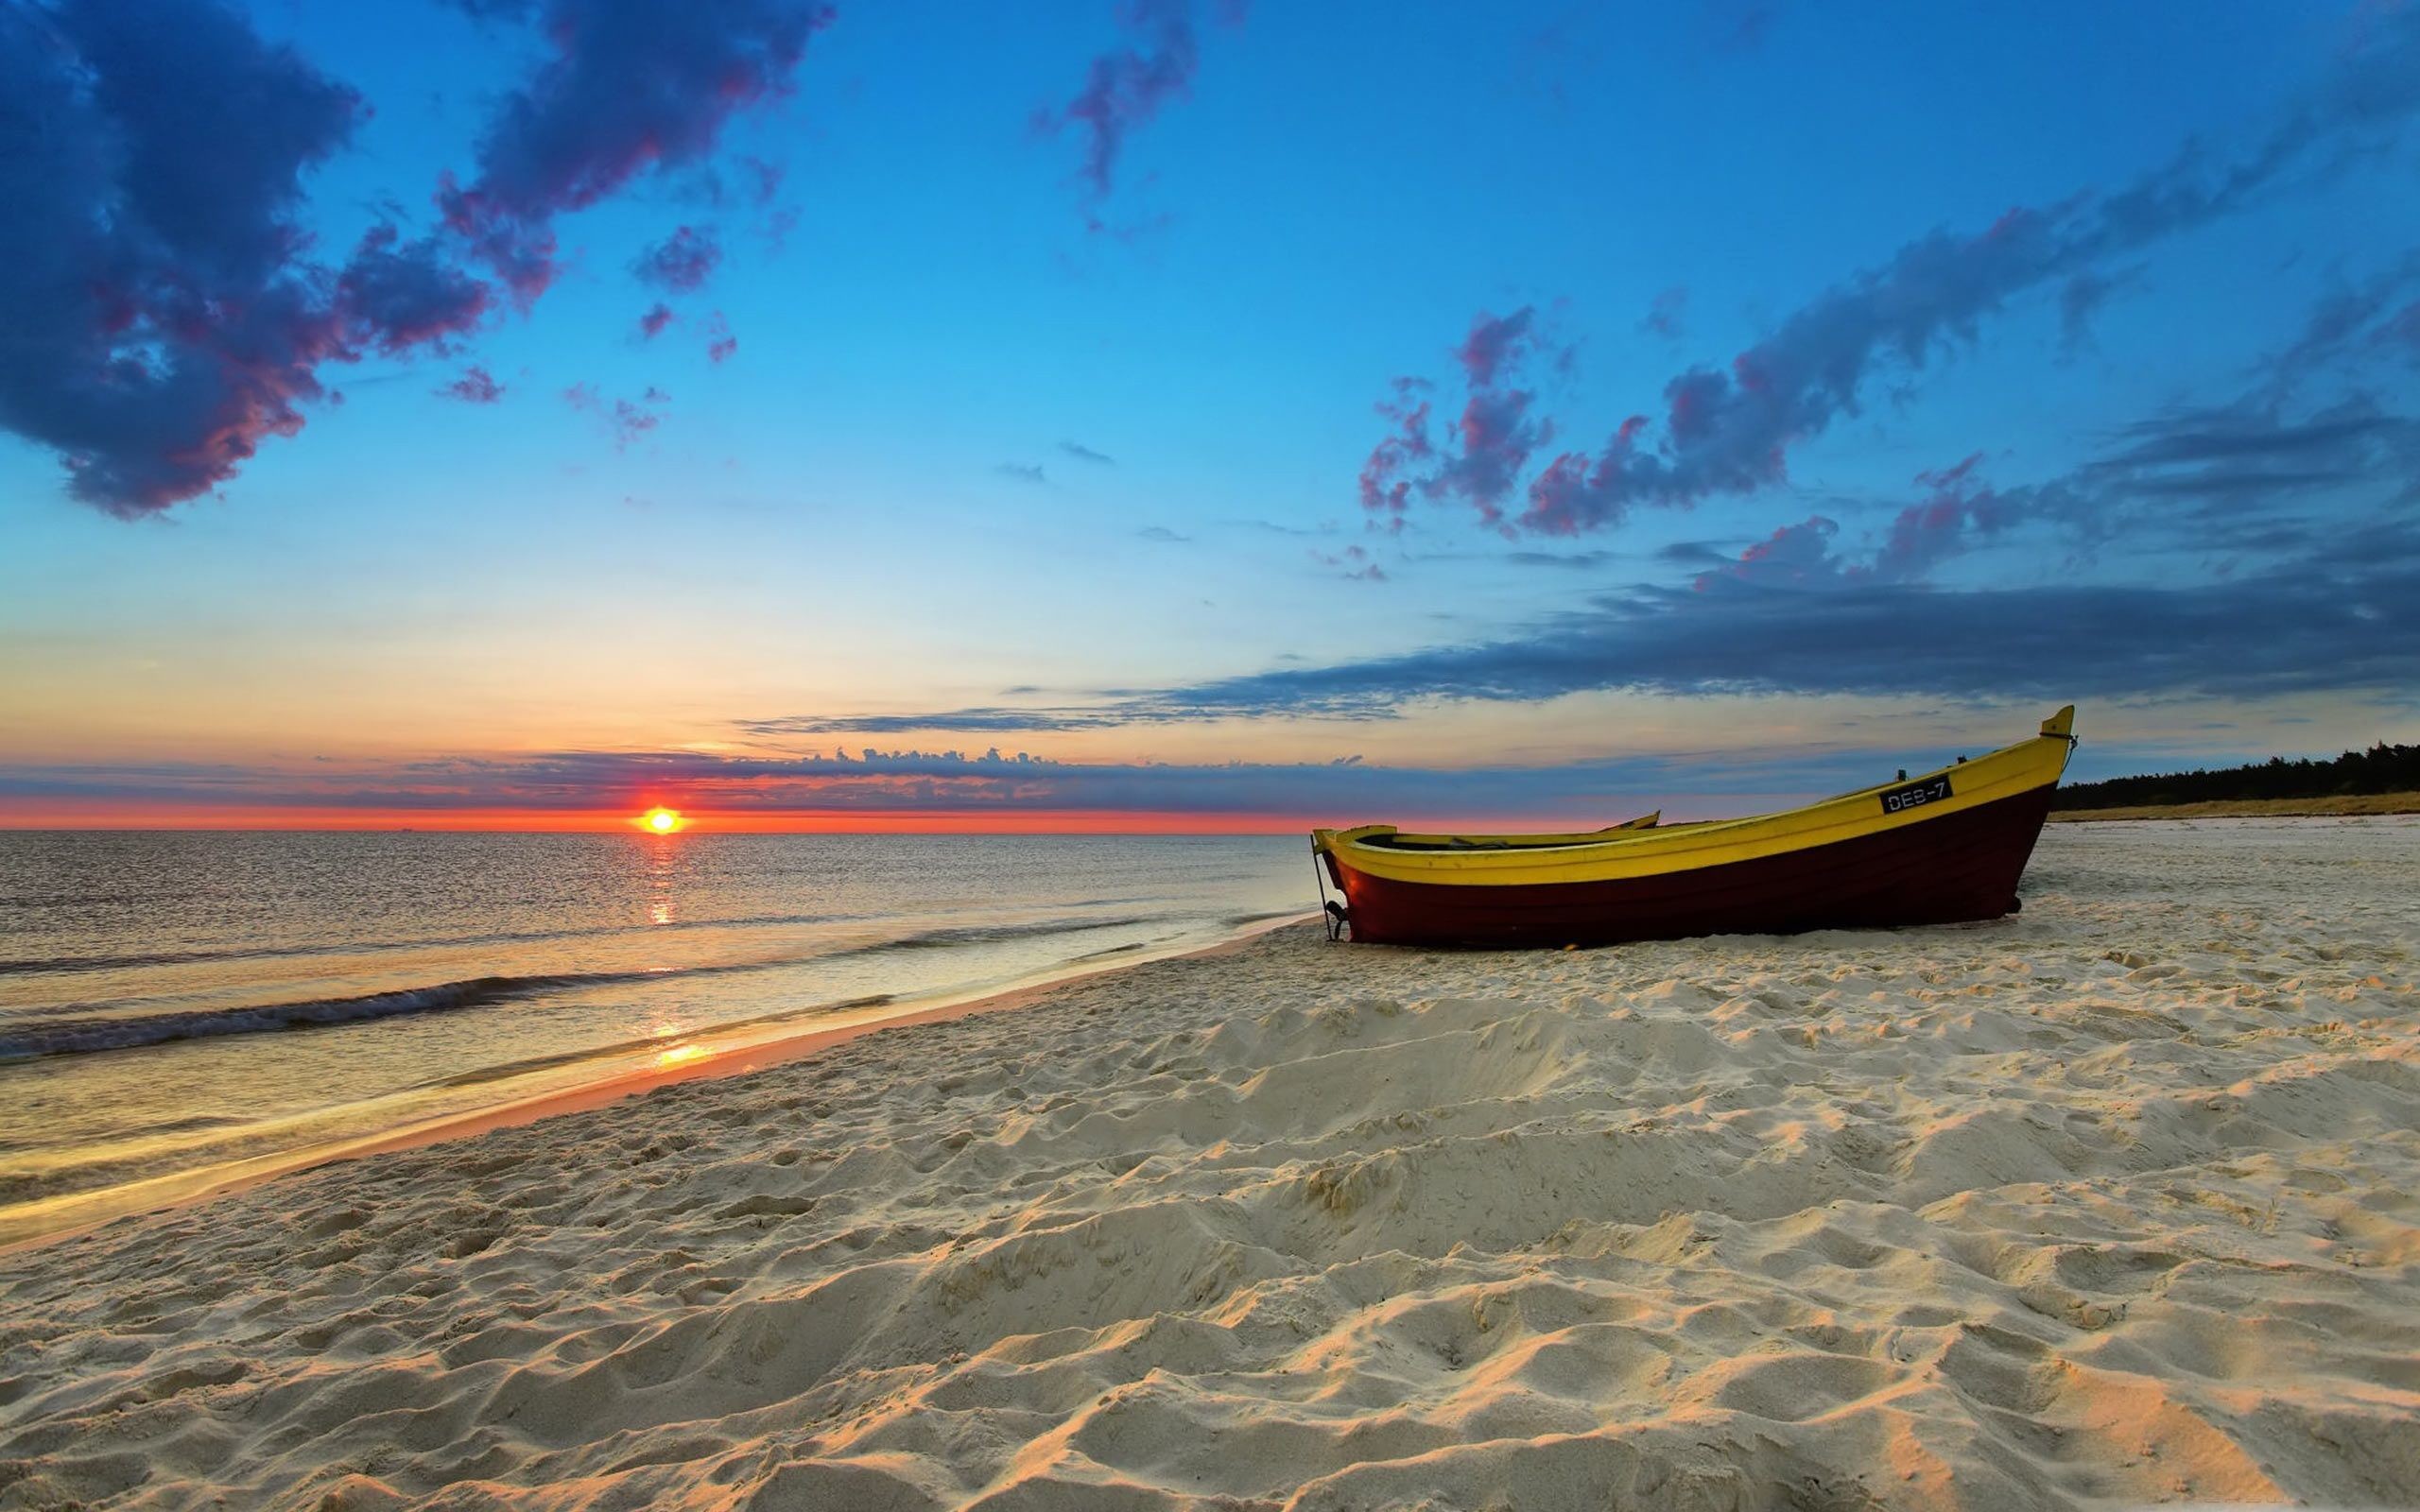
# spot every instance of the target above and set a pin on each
(661, 821)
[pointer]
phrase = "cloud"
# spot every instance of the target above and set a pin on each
(1571, 560)
(628, 87)
(1127, 87)
(1353, 561)
(1085, 454)
(1664, 313)
(2298, 602)
(2376, 317)
(625, 420)
(2294, 630)
(1490, 443)
(681, 263)
(721, 343)
(1023, 472)
(397, 296)
(476, 386)
(1494, 341)
(652, 323)
(2081, 297)
(164, 315)
(1730, 430)
(736, 787)
(1161, 533)
(160, 320)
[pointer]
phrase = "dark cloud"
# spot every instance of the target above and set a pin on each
(398, 296)
(2300, 603)
(1730, 430)
(626, 87)
(163, 316)
(160, 321)
(721, 343)
(476, 386)
(2291, 630)
(1023, 472)
(2304, 627)
(652, 323)
(1127, 87)
(2246, 455)
(1085, 454)
(681, 263)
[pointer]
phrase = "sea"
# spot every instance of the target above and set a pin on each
(182, 1009)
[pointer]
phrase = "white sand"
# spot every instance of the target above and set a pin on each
(2111, 1203)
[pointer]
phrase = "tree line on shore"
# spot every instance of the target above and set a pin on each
(2382, 769)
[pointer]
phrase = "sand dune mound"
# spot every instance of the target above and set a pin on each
(2113, 1202)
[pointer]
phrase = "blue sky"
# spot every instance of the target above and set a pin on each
(2062, 354)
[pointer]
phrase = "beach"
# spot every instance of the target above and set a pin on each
(2110, 1202)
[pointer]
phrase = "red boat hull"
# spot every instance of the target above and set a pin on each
(1949, 870)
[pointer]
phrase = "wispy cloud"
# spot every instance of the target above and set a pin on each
(625, 420)
(1085, 454)
(476, 386)
(1127, 87)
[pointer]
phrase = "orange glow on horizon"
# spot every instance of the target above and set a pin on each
(69, 815)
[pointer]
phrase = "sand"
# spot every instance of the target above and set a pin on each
(2113, 1202)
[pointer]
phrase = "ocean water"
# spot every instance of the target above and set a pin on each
(176, 1009)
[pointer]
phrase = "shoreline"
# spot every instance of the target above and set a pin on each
(738, 1056)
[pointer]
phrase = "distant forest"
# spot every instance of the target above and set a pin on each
(2382, 769)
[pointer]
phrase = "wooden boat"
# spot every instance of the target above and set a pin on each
(1941, 847)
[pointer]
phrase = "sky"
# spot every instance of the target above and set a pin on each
(1168, 414)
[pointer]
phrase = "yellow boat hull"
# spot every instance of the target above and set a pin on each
(1946, 845)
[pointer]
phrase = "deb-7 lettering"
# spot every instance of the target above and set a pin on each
(1915, 795)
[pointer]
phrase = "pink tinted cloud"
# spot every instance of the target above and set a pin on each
(624, 420)
(476, 386)
(1127, 87)
(681, 262)
(626, 87)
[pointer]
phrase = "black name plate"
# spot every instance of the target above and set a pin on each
(1915, 795)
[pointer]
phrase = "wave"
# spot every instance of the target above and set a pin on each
(78, 1036)
(988, 935)
(95, 1032)
(41, 964)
